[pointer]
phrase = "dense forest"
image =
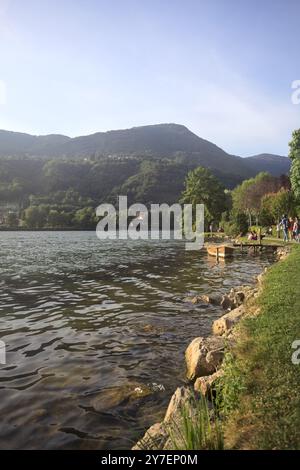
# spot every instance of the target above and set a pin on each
(58, 193)
(35, 193)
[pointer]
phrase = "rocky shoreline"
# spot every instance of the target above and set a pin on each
(204, 358)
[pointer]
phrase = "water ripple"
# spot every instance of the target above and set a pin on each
(87, 323)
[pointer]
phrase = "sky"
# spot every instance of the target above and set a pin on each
(223, 68)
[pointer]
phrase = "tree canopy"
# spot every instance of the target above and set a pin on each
(295, 167)
(202, 187)
(246, 198)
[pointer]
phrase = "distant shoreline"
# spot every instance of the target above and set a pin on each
(47, 229)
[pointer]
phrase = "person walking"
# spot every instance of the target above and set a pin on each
(285, 226)
(296, 229)
(278, 229)
(291, 225)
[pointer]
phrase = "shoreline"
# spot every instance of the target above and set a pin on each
(205, 360)
(47, 229)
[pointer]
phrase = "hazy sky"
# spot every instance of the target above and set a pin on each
(223, 68)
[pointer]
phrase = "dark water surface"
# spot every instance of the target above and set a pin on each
(95, 333)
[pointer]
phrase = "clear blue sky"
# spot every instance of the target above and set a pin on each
(223, 68)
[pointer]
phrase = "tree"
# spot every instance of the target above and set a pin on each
(234, 223)
(274, 205)
(202, 187)
(58, 219)
(35, 216)
(294, 145)
(85, 218)
(295, 178)
(11, 220)
(247, 196)
(295, 167)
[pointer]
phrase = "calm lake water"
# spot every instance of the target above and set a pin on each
(95, 333)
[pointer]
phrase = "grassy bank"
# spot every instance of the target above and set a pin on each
(261, 386)
(264, 241)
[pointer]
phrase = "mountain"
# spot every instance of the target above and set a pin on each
(18, 144)
(160, 141)
(276, 165)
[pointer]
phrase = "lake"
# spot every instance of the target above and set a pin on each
(95, 333)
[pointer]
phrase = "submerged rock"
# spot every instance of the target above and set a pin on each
(151, 329)
(203, 355)
(117, 396)
(204, 299)
(211, 299)
(234, 299)
(192, 300)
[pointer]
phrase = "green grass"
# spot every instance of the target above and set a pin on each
(229, 387)
(197, 428)
(261, 398)
(265, 241)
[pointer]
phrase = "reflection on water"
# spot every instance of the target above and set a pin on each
(95, 333)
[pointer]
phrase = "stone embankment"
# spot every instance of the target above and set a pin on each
(204, 357)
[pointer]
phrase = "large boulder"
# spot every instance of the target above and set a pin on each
(234, 299)
(183, 397)
(184, 403)
(205, 385)
(238, 297)
(226, 302)
(260, 279)
(249, 291)
(158, 436)
(225, 324)
(203, 356)
(282, 252)
(155, 438)
(261, 276)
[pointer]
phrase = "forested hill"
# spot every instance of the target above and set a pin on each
(57, 181)
(161, 141)
(148, 163)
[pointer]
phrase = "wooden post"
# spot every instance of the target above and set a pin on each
(259, 235)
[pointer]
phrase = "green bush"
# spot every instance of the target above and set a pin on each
(229, 386)
(237, 224)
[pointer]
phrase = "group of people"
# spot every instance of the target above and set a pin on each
(290, 227)
(253, 235)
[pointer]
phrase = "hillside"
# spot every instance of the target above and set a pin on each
(171, 141)
(276, 165)
(18, 144)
